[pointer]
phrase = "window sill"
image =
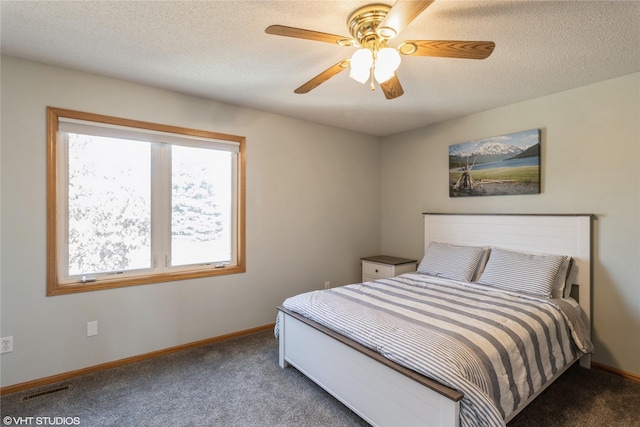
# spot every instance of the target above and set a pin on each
(54, 287)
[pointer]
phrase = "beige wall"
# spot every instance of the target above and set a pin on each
(313, 209)
(590, 164)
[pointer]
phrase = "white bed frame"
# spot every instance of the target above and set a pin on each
(386, 394)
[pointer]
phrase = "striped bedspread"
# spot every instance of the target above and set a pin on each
(496, 347)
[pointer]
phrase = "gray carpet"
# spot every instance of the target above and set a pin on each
(239, 383)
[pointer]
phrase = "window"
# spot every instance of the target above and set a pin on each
(133, 203)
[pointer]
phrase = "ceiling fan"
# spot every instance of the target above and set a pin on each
(371, 27)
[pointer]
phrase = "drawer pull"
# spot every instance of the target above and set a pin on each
(376, 270)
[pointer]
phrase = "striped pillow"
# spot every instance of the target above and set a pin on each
(562, 287)
(522, 272)
(451, 261)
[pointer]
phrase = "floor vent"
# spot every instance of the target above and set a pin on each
(44, 393)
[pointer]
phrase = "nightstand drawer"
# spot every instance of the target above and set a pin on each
(385, 267)
(377, 270)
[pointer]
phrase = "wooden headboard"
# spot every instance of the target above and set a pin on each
(554, 234)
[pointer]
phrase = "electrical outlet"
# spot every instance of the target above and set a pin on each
(6, 344)
(327, 285)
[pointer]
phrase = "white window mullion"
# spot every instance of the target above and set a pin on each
(161, 211)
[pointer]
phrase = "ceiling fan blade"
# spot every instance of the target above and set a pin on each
(392, 88)
(401, 15)
(299, 33)
(448, 48)
(323, 76)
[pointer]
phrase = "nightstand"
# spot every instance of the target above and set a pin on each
(383, 267)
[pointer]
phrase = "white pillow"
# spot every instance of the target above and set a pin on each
(451, 261)
(523, 272)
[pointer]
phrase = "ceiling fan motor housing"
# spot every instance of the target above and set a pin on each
(364, 22)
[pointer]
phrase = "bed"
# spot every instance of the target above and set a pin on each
(468, 340)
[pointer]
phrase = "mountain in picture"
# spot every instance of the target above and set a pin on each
(533, 151)
(484, 152)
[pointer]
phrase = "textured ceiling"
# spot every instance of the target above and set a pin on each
(219, 50)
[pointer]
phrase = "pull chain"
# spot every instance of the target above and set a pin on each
(373, 70)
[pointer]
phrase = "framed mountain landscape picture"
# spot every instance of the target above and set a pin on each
(500, 165)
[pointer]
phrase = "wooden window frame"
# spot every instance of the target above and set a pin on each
(54, 285)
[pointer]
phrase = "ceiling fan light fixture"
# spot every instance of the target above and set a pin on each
(387, 62)
(382, 75)
(361, 63)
